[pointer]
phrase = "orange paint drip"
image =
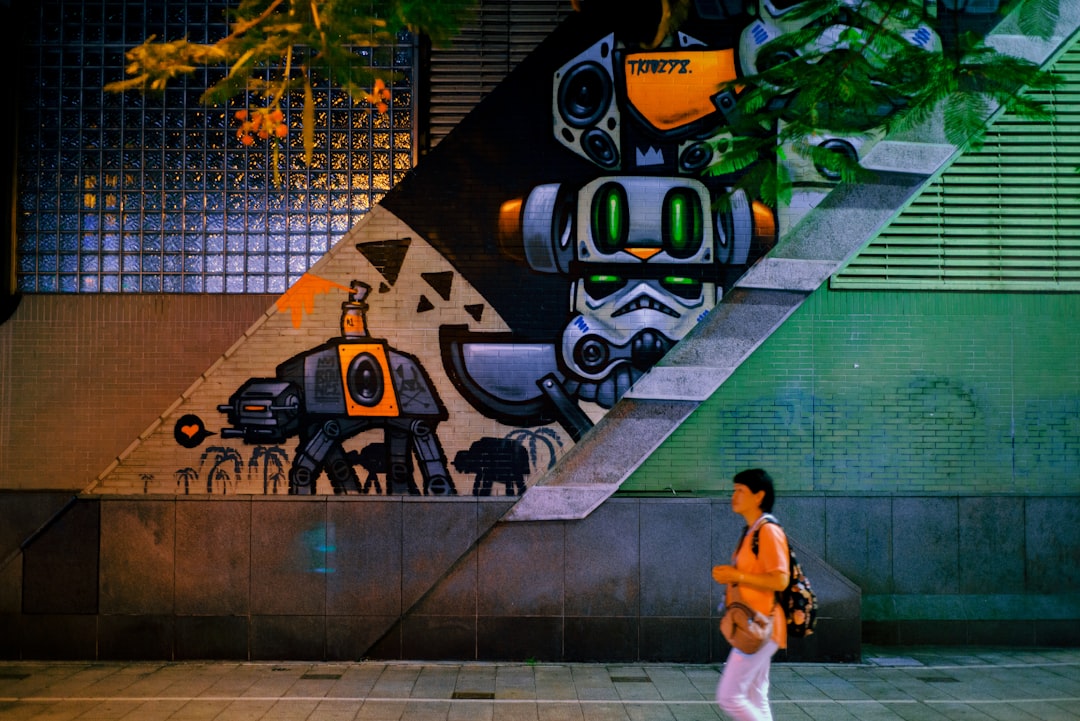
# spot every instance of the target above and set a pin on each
(300, 298)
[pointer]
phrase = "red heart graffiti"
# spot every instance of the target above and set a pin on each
(189, 431)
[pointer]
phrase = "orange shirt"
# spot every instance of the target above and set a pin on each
(772, 556)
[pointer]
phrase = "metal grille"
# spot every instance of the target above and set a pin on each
(1006, 217)
(501, 34)
(132, 193)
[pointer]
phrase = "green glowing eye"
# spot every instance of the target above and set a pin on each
(601, 286)
(687, 288)
(683, 223)
(610, 218)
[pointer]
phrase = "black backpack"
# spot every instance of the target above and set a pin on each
(798, 599)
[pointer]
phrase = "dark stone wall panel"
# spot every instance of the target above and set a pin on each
(631, 582)
(676, 559)
(597, 638)
(351, 638)
(213, 557)
(364, 558)
(858, 541)
(834, 639)
(520, 570)
(803, 519)
(602, 557)
(122, 638)
(433, 537)
(211, 637)
(277, 638)
(455, 593)
(60, 566)
(388, 647)
(22, 514)
(10, 624)
(675, 640)
(58, 637)
(926, 545)
(138, 542)
(1003, 633)
(519, 638)
(1064, 633)
(992, 545)
(436, 638)
(289, 558)
(1053, 545)
(11, 580)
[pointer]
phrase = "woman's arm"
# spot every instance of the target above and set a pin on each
(772, 581)
(772, 552)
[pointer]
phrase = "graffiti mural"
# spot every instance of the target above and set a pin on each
(536, 264)
(637, 236)
(641, 237)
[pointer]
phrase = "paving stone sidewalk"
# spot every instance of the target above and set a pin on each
(890, 684)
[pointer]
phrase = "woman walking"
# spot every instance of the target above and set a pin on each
(743, 691)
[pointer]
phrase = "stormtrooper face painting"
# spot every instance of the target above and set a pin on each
(642, 272)
(629, 322)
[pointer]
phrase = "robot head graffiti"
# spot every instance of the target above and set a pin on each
(643, 277)
(627, 111)
(644, 255)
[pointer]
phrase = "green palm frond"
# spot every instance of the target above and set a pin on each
(1038, 18)
(739, 153)
(965, 117)
(851, 71)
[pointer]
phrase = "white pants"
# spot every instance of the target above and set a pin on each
(743, 691)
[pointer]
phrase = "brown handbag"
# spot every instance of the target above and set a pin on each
(744, 628)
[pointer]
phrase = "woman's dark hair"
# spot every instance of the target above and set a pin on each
(758, 480)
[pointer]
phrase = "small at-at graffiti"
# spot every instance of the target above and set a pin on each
(331, 393)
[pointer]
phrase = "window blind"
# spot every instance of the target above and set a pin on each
(1003, 218)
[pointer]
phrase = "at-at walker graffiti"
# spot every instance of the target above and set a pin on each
(335, 391)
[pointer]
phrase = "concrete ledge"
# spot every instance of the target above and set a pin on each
(559, 503)
(907, 157)
(679, 383)
(787, 274)
(618, 443)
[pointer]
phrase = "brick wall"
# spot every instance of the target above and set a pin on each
(82, 376)
(895, 393)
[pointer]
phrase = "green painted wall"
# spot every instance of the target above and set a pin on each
(906, 393)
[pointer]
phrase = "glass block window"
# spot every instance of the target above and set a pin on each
(156, 194)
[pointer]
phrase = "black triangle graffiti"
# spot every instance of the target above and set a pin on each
(476, 311)
(424, 305)
(386, 255)
(440, 282)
